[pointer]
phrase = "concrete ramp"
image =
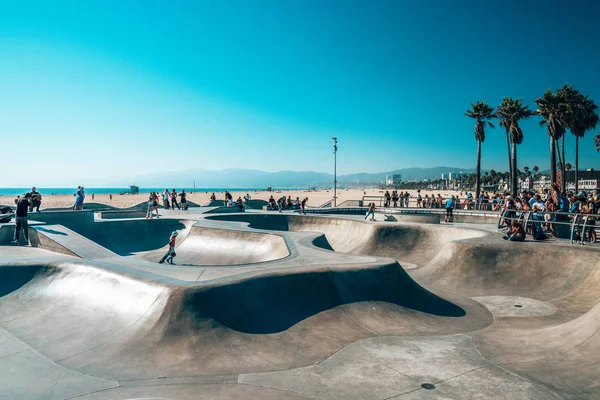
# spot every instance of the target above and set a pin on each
(212, 246)
(62, 240)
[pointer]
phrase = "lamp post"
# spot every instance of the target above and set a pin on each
(334, 171)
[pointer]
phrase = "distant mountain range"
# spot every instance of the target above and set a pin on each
(246, 178)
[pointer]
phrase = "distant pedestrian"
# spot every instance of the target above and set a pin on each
(419, 199)
(371, 212)
(110, 197)
(165, 198)
(170, 254)
(174, 200)
(36, 200)
(303, 205)
(21, 218)
(213, 197)
(150, 207)
(92, 196)
(183, 201)
(450, 204)
(78, 201)
(155, 203)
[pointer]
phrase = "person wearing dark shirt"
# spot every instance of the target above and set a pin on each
(21, 218)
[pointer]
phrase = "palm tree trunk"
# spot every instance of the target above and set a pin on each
(508, 147)
(560, 160)
(564, 166)
(513, 161)
(552, 160)
(478, 176)
(576, 164)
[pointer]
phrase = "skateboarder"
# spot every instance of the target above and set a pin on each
(371, 211)
(170, 254)
(21, 218)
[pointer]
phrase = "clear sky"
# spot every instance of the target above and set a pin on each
(107, 89)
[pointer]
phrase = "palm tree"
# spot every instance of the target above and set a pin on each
(598, 142)
(511, 111)
(526, 169)
(536, 169)
(502, 116)
(551, 108)
(568, 166)
(482, 113)
(581, 117)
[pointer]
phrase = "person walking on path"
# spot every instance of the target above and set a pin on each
(150, 207)
(371, 212)
(36, 200)
(170, 254)
(23, 205)
(174, 200)
(165, 199)
(450, 204)
(155, 203)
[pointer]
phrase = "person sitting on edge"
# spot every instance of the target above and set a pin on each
(517, 233)
(240, 204)
(23, 205)
(450, 204)
(213, 197)
(170, 254)
(272, 204)
(281, 202)
(371, 212)
(247, 197)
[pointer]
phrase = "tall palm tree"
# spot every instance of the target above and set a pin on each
(568, 166)
(536, 169)
(482, 113)
(551, 108)
(598, 142)
(582, 115)
(526, 169)
(502, 115)
(511, 111)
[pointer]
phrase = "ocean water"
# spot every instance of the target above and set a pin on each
(89, 191)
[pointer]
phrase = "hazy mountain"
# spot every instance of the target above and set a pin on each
(246, 178)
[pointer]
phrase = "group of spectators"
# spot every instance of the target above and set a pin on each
(547, 208)
(169, 200)
(286, 203)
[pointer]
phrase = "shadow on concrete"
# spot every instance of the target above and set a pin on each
(272, 304)
(13, 278)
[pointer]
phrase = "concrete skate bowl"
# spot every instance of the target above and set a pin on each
(132, 237)
(410, 243)
(213, 246)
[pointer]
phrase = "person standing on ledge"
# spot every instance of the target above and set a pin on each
(36, 200)
(450, 204)
(23, 205)
(371, 211)
(170, 254)
(174, 200)
(303, 205)
(183, 201)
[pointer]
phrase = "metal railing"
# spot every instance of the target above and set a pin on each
(581, 225)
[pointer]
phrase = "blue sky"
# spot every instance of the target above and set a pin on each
(99, 90)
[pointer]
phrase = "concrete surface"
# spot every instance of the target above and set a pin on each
(283, 306)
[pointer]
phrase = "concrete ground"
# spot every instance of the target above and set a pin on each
(285, 306)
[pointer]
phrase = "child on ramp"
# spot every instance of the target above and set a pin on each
(170, 254)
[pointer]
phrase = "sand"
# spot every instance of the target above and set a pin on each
(315, 198)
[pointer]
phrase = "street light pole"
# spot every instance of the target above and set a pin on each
(334, 171)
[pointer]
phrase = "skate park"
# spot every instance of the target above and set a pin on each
(289, 306)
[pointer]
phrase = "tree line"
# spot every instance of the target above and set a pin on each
(566, 109)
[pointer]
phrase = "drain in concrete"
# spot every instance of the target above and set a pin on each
(518, 305)
(428, 386)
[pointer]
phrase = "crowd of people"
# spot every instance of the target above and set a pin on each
(286, 203)
(547, 209)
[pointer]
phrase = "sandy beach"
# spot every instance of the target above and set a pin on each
(315, 198)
